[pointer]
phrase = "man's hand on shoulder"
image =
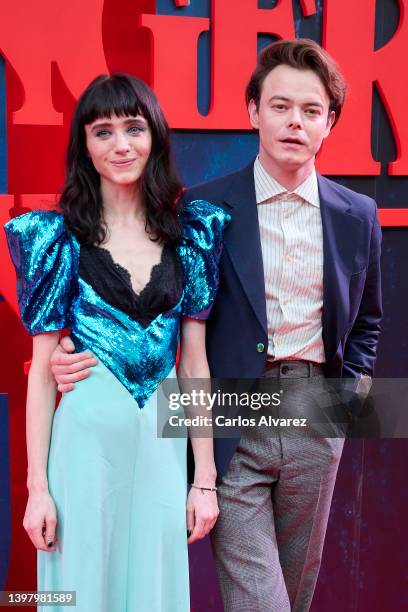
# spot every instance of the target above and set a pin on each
(69, 367)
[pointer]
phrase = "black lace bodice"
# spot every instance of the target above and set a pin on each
(113, 283)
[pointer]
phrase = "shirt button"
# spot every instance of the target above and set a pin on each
(285, 369)
(260, 347)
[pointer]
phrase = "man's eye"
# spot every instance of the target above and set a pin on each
(312, 111)
(280, 106)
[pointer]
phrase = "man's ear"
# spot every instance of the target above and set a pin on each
(330, 120)
(253, 114)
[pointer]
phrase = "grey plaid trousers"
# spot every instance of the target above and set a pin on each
(274, 505)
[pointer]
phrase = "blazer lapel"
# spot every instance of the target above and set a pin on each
(341, 231)
(243, 243)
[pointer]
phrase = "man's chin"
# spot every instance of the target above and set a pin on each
(298, 158)
(293, 163)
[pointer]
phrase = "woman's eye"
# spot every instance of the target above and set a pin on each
(102, 133)
(135, 129)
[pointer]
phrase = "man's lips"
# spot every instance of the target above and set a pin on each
(292, 141)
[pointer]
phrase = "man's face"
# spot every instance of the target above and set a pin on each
(293, 119)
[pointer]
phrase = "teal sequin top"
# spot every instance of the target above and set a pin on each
(52, 295)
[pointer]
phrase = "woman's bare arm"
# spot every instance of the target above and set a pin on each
(202, 508)
(40, 516)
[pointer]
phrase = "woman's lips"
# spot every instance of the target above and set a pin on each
(122, 163)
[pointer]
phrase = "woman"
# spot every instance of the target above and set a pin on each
(120, 268)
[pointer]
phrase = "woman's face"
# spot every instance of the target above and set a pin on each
(119, 147)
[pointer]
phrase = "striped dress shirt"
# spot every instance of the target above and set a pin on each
(292, 249)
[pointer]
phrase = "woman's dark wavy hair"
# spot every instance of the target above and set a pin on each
(81, 202)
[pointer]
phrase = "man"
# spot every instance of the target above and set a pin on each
(299, 298)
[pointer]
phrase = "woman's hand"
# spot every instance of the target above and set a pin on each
(202, 513)
(40, 520)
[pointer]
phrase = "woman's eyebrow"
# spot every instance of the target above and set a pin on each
(106, 123)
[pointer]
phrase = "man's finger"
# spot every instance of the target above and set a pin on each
(59, 358)
(74, 367)
(67, 344)
(64, 379)
(66, 388)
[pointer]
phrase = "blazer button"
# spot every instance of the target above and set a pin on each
(260, 347)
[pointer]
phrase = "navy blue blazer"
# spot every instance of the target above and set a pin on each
(351, 285)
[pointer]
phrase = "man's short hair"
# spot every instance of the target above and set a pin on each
(303, 54)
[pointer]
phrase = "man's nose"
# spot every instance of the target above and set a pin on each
(295, 118)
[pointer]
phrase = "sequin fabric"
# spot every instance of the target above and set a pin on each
(52, 295)
(46, 258)
(200, 252)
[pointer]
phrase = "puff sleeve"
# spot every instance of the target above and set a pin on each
(45, 257)
(200, 252)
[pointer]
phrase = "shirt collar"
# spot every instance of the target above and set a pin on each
(266, 187)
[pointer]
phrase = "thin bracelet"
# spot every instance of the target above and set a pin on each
(202, 489)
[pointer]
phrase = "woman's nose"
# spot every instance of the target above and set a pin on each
(121, 142)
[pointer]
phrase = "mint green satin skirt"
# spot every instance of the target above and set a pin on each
(120, 493)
